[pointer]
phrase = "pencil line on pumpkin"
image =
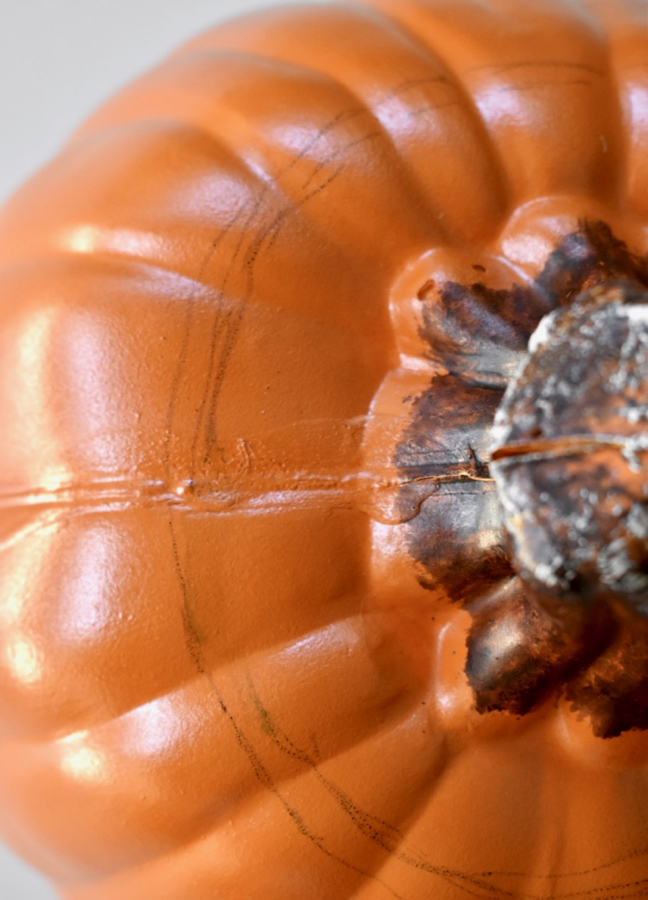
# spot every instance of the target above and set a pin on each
(256, 206)
(366, 822)
(365, 109)
(337, 153)
(538, 63)
(534, 85)
(194, 646)
(220, 326)
(235, 318)
(637, 854)
(210, 433)
(186, 337)
(338, 119)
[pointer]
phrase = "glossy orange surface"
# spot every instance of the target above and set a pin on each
(246, 523)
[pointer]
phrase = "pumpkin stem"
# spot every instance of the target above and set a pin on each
(571, 454)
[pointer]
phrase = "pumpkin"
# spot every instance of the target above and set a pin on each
(323, 471)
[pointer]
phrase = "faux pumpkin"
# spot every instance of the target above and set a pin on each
(285, 616)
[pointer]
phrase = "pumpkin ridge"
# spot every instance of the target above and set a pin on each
(233, 323)
(535, 32)
(496, 166)
(267, 781)
(361, 819)
(354, 82)
(217, 362)
(370, 826)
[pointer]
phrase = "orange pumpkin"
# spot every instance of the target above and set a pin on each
(264, 634)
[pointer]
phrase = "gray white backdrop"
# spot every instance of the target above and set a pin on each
(58, 60)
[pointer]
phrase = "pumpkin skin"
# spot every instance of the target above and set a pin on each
(257, 319)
